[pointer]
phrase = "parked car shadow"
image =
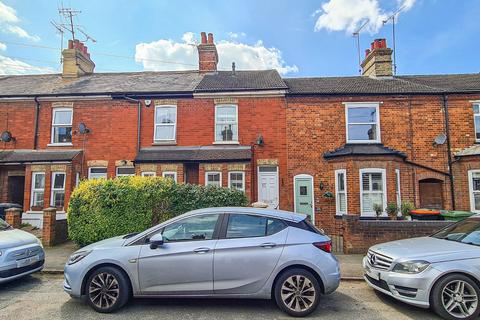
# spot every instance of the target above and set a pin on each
(406, 309)
(24, 283)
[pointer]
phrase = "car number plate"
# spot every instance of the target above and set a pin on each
(27, 261)
(372, 273)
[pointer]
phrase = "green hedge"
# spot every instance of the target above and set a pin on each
(100, 209)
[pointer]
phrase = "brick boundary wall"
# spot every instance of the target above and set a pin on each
(54, 231)
(359, 235)
(13, 217)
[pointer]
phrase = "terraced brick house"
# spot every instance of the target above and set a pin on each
(321, 146)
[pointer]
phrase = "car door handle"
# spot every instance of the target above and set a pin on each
(268, 245)
(201, 250)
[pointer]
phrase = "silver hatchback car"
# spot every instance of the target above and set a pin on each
(21, 253)
(216, 252)
(441, 271)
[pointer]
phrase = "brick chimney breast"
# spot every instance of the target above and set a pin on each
(207, 54)
(76, 60)
(378, 60)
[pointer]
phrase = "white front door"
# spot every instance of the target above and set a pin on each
(268, 186)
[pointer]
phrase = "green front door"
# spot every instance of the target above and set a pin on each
(304, 195)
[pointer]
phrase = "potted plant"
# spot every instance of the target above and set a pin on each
(392, 210)
(378, 208)
(405, 208)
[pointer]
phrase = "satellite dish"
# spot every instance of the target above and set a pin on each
(82, 128)
(440, 139)
(6, 136)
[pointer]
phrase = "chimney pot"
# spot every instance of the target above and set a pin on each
(378, 60)
(70, 44)
(210, 38)
(204, 37)
(367, 52)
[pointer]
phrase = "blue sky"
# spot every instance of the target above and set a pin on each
(299, 38)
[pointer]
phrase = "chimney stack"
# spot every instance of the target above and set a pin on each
(207, 54)
(378, 60)
(76, 60)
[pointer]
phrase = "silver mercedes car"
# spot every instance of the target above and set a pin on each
(441, 271)
(216, 252)
(21, 253)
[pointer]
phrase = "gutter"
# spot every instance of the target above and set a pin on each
(113, 95)
(449, 149)
(35, 130)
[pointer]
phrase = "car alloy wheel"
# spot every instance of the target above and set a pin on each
(103, 290)
(298, 293)
(459, 299)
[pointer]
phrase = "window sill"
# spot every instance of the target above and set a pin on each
(226, 142)
(164, 143)
(65, 144)
(363, 141)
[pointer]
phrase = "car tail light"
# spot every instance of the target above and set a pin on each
(324, 246)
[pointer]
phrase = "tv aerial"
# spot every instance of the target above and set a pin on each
(440, 139)
(356, 34)
(6, 136)
(82, 128)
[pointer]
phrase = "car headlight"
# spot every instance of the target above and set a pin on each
(0, 253)
(77, 256)
(416, 266)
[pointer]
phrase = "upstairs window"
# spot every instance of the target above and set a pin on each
(213, 179)
(363, 123)
(165, 123)
(226, 123)
(341, 191)
(373, 188)
(58, 190)
(62, 125)
(476, 118)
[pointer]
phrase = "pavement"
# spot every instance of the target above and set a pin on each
(40, 296)
(55, 258)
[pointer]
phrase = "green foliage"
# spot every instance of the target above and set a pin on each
(406, 207)
(392, 209)
(378, 208)
(100, 209)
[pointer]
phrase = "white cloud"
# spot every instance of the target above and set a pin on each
(9, 21)
(14, 66)
(16, 30)
(236, 35)
(349, 15)
(156, 55)
(7, 14)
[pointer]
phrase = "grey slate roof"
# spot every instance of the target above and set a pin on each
(195, 153)
(99, 83)
(241, 80)
(363, 150)
(37, 156)
(429, 84)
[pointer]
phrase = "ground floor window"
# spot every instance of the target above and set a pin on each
(149, 174)
(474, 186)
(58, 189)
(213, 179)
(97, 173)
(170, 175)
(372, 187)
(341, 191)
(236, 180)
(38, 189)
(125, 171)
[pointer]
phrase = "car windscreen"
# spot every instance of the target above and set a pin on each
(465, 231)
(4, 225)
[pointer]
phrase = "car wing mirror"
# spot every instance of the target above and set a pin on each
(156, 241)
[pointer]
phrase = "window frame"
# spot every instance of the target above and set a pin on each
(243, 179)
(337, 191)
(224, 230)
(210, 172)
(52, 132)
(475, 115)
(357, 105)
(470, 190)
(148, 174)
(155, 124)
(33, 189)
(90, 172)
(233, 141)
(123, 174)
(53, 189)
(384, 191)
(216, 228)
(164, 173)
(398, 189)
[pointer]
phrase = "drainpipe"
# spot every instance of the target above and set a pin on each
(37, 115)
(449, 149)
(253, 169)
(139, 118)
